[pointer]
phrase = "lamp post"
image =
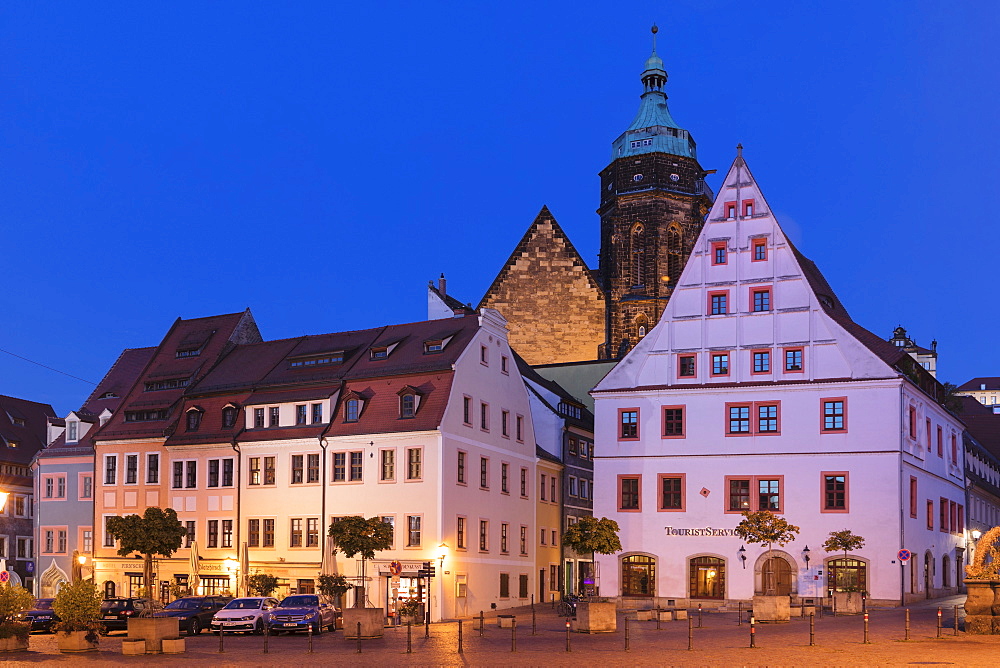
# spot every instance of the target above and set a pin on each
(442, 553)
(743, 556)
(77, 566)
(805, 555)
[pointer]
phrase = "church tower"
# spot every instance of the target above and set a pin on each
(653, 204)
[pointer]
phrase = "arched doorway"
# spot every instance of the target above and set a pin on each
(776, 577)
(846, 575)
(109, 589)
(708, 578)
(638, 575)
(928, 560)
(50, 581)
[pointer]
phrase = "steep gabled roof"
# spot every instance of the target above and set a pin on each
(974, 385)
(23, 429)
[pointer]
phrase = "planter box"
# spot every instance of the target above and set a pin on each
(75, 641)
(847, 602)
(372, 622)
(680, 613)
(979, 607)
(413, 620)
(13, 644)
(505, 621)
(595, 617)
(772, 608)
(665, 615)
(174, 645)
(133, 646)
(153, 630)
(645, 615)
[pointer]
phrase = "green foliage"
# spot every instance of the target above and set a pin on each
(262, 584)
(950, 400)
(158, 531)
(13, 601)
(78, 607)
(762, 527)
(357, 535)
(333, 586)
(593, 536)
(179, 591)
(843, 540)
(410, 608)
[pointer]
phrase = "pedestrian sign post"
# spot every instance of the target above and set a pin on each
(904, 555)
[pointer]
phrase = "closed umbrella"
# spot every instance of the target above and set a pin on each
(327, 567)
(194, 580)
(245, 567)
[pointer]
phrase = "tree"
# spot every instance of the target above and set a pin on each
(333, 586)
(262, 584)
(156, 532)
(762, 527)
(78, 607)
(593, 536)
(356, 535)
(14, 600)
(843, 540)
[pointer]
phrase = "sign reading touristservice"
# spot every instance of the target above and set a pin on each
(700, 531)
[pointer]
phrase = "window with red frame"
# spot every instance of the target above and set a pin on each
(961, 519)
(834, 412)
(954, 449)
(720, 364)
(927, 428)
(730, 209)
(761, 300)
(686, 366)
(913, 422)
(759, 250)
(762, 361)
(835, 492)
(629, 423)
(629, 497)
(739, 419)
(718, 303)
(793, 359)
(767, 418)
(913, 496)
(719, 252)
(673, 421)
(747, 208)
(953, 513)
(930, 514)
(671, 493)
(943, 515)
(940, 443)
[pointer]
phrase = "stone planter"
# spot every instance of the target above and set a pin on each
(76, 641)
(979, 606)
(13, 644)
(772, 608)
(133, 646)
(174, 645)
(644, 615)
(414, 620)
(153, 630)
(847, 602)
(595, 617)
(505, 621)
(372, 622)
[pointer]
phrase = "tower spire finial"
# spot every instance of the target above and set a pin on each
(654, 30)
(739, 150)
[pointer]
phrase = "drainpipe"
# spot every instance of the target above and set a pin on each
(902, 518)
(323, 444)
(239, 508)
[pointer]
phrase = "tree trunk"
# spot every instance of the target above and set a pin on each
(147, 574)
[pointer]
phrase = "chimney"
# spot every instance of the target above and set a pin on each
(441, 285)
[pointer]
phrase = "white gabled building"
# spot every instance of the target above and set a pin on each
(757, 391)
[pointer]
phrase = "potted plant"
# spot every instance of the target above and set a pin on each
(13, 601)
(356, 535)
(156, 532)
(78, 607)
(594, 536)
(409, 612)
(763, 527)
(847, 596)
(334, 587)
(982, 584)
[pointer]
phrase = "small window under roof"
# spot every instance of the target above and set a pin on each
(319, 359)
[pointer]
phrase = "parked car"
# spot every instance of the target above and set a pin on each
(115, 612)
(194, 612)
(301, 612)
(41, 616)
(248, 614)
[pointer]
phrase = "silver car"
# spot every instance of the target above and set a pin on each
(248, 615)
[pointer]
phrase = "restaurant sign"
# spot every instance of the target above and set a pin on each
(701, 531)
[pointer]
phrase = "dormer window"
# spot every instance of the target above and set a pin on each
(351, 409)
(317, 360)
(380, 353)
(187, 353)
(407, 405)
(167, 384)
(19, 421)
(13, 444)
(433, 346)
(193, 419)
(229, 416)
(72, 431)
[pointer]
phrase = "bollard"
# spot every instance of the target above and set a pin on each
(834, 606)
(532, 620)
(513, 635)
(221, 648)
(427, 625)
(956, 621)
(699, 615)
(690, 633)
(567, 636)
(482, 620)
(626, 634)
(867, 642)
(359, 637)
(939, 622)
(739, 615)
(532, 602)
(658, 611)
(311, 639)
(907, 626)
(409, 637)
(460, 651)
(812, 629)
(267, 634)
(753, 632)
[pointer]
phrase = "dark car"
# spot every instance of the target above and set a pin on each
(115, 612)
(301, 612)
(41, 616)
(194, 612)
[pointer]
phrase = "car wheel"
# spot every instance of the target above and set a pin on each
(258, 628)
(317, 628)
(194, 628)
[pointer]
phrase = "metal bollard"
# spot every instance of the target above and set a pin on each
(532, 620)
(460, 650)
(532, 602)
(907, 626)
(267, 633)
(956, 621)
(567, 636)
(867, 642)
(834, 606)
(221, 648)
(657, 619)
(513, 635)
(812, 629)
(699, 615)
(359, 637)
(311, 639)
(753, 632)
(626, 634)
(939, 622)
(739, 615)
(427, 625)
(690, 633)
(482, 620)
(409, 637)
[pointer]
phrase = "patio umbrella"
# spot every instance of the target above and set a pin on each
(194, 580)
(245, 566)
(327, 567)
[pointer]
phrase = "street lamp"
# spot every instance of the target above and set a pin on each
(805, 555)
(976, 533)
(743, 556)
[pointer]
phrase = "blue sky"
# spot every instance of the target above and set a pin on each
(320, 162)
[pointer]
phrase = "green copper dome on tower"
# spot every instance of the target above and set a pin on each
(653, 130)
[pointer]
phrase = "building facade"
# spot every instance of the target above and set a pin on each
(756, 391)
(985, 390)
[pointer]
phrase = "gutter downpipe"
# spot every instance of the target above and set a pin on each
(322, 503)
(902, 519)
(239, 507)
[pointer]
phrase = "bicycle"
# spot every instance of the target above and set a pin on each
(567, 607)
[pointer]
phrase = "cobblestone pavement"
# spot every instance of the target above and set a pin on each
(719, 642)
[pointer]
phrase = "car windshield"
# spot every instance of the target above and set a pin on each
(43, 604)
(184, 604)
(300, 602)
(120, 604)
(244, 604)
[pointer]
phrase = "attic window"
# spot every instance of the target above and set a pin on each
(318, 360)
(169, 384)
(229, 416)
(19, 421)
(351, 410)
(13, 444)
(109, 395)
(407, 405)
(570, 410)
(193, 419)
(435, 346)
(72, 431)
(146, 416)
(188, 353)
(641, 142)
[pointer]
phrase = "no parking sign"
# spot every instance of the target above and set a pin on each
(904, 555)
(4, 576)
